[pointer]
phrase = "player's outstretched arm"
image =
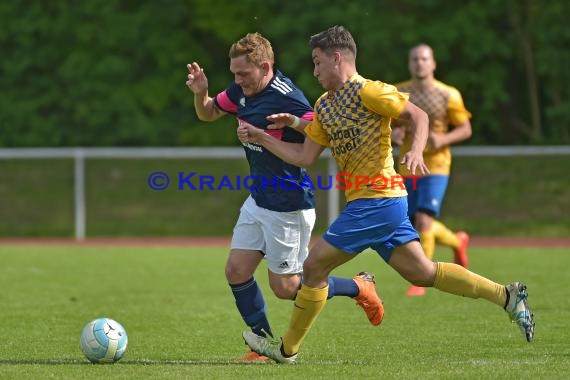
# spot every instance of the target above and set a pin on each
(197, 82)
(419, 128)
(282, 120)
(303, 155)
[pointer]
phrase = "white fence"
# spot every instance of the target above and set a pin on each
(80, 154)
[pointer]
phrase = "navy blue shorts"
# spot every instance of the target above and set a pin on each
(378, 223)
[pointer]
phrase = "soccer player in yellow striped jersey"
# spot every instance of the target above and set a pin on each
(449, 124)
(353, 119)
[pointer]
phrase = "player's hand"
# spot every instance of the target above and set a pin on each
(247, 133)
(243, 134)
(280, 120)
(398, 134)
(414, 161)
(197, 81)
(435, 141)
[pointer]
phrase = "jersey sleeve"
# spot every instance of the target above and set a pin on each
(383, 99)
(225, 99)
(315, 131)
(457, 112)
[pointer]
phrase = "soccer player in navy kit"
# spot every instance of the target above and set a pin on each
(275, 221)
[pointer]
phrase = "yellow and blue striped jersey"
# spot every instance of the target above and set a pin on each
(444, 106)
(354, 121)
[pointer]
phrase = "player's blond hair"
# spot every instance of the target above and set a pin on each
(255, 47)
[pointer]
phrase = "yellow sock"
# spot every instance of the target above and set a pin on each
(427, 240)
(455, 279)
(444, 235)
(308, 305)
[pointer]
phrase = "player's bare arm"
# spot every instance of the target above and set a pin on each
(418, 121)
(197, 82)
(456, 135)
(302, 155)
(282, 120)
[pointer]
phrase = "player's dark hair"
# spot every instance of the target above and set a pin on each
(334, 38)
(421, 45)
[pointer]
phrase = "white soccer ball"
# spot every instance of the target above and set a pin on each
(103, 340)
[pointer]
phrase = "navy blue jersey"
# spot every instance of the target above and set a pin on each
(275, 184)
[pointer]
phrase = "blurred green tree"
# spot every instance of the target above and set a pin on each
(112, 73)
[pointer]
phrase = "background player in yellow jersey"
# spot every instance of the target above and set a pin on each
(353, 119)
(448, 124)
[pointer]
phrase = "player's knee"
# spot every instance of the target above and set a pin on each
(237, 275)
(314, 272)
(422, 276)
(285, 291)
(311, 267)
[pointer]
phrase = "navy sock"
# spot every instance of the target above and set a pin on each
(340, 286)
(251, 306)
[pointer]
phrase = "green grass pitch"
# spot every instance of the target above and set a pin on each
(182, 323)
